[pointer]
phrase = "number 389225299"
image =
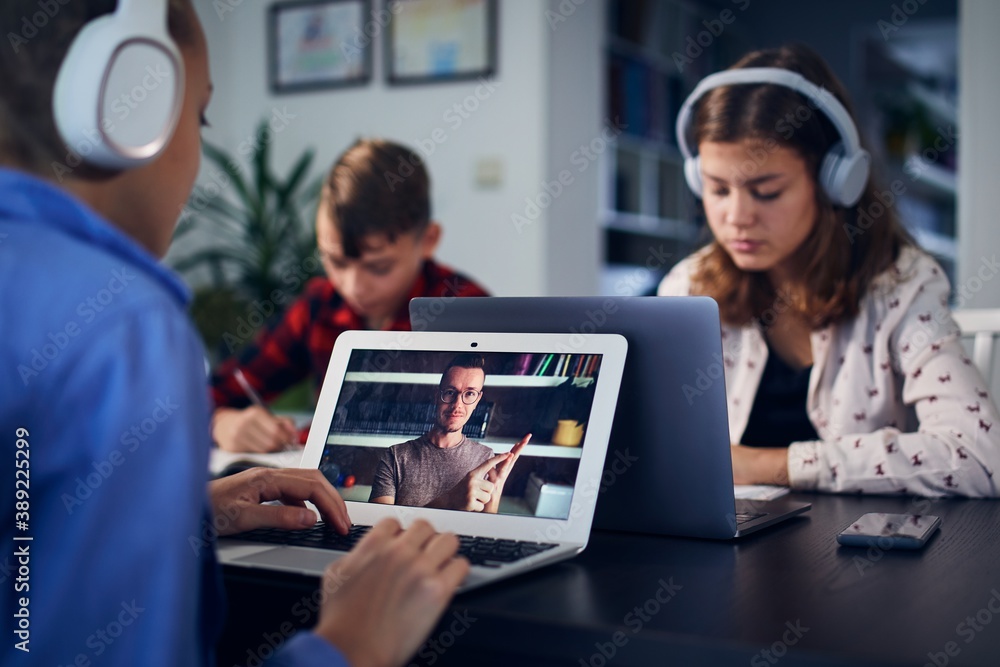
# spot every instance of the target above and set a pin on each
(22, 473)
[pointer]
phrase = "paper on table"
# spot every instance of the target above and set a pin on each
(220, 458)
(759, 491)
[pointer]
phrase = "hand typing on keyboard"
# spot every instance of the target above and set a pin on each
(760, 465)
(236, 500)
(382, 599)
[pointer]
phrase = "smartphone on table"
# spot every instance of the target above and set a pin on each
(890, 531)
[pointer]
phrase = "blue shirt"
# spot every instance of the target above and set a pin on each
(104, 425)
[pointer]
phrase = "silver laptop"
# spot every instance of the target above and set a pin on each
(669, 468)
(405, 422)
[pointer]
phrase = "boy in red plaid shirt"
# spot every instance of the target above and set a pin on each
(376, 241)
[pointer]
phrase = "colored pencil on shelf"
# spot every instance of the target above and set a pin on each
(545, 365)
(523, 362)
(561, 366)
(538, 366)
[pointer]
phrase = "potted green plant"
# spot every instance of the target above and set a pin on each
(258, 244)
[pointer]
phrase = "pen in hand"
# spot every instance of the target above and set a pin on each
(257, 400)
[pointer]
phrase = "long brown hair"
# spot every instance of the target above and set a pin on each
(847, 248)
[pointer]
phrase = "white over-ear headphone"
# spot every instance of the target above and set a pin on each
(844, 170)
(119, 90)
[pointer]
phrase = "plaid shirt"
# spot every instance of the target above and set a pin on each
(299, 343)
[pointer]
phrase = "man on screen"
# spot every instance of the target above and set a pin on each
(443, 468)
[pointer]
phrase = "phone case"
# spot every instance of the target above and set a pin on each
(889, 537)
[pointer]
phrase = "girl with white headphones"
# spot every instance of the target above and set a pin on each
(843, 367)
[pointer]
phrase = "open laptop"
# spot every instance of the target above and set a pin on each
(669, 467)
(387, 395)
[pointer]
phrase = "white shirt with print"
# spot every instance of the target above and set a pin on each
(897, 404)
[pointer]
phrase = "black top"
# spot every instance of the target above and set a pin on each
(779, 417)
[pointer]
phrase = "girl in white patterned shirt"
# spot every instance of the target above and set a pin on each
(843, 367)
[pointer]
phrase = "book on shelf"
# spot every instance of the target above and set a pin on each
(543, 364)
(402, 418)
(567, 365)
(644, 97)
(523, 364)
(561, 366)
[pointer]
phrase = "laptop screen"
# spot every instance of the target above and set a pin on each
(429, 429)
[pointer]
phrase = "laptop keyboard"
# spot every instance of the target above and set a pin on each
(482, 551)
(744, 517)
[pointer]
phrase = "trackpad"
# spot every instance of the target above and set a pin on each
(292, 559)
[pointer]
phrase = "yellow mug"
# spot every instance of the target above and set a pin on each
(569, 433)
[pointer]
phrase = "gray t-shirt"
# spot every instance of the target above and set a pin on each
(416, 472)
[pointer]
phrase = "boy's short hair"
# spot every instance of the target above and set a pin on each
(29, 139)
(466, 360)
(377, 188)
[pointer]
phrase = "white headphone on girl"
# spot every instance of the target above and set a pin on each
(844, 170)
(119, 91)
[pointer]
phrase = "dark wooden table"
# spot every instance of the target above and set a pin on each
(789, 595)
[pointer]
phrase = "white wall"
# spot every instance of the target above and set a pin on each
(545, 106)
(509, 125)
(575, 89)
(979, 152)
(979, 159)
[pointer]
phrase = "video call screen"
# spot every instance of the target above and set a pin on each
(426, 428)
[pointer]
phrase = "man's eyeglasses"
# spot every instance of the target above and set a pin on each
(469, 396)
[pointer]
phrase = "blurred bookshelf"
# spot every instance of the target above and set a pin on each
(385, 407)
(656, 52)
(909, 105)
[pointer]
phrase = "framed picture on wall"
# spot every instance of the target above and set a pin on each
(441, 40)
(318, 44)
